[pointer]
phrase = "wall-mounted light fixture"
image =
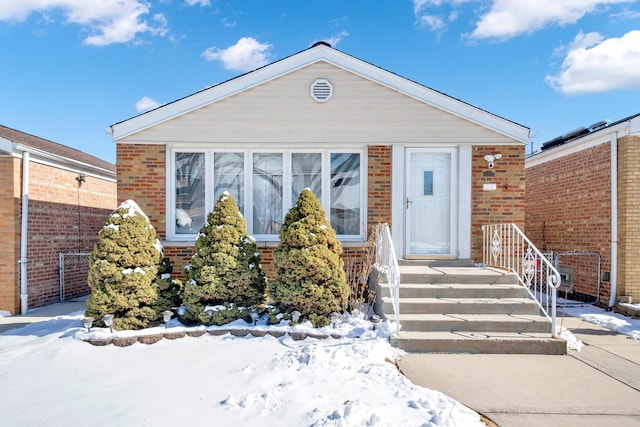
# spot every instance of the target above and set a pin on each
(490, 158)
(81, 178)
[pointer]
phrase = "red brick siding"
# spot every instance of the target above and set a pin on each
(504, 205)
(568, 208)
(629, 217)
(63, 217)
(10, 179)
(379, 185)
(141, 177)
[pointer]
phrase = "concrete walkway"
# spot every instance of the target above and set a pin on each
(598, 386)
(40, 314)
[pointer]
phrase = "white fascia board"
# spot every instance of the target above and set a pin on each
(7, 146)
(321, 53)
(66, 163)
(598, 137)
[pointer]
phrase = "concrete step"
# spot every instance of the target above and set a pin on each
(427, 274)
(475, 323)
(436, 262)
(456, 290)
(479, 343)
(462, 306)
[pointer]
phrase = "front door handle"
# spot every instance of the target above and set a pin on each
(408, 202)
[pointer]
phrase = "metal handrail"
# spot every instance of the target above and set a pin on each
(387, 261)
(505, 246)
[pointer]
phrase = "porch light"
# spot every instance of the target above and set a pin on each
(108, 320)
(295, 316)
(166, 316)
(87, 322)
(254, 315)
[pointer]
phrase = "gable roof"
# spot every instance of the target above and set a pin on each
(12, 141)
(320, 52)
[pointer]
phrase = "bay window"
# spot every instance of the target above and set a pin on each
(265, 184)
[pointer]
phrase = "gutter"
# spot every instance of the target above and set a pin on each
(24, 296)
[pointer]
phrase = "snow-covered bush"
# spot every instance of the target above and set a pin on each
(309, 271)
(127, 274)
(226, 265)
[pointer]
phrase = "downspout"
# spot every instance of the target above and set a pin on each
(24, 296)
(614, 219)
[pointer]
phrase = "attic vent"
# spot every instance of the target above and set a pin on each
(321, 90)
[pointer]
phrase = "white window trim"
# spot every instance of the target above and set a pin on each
(170, 211)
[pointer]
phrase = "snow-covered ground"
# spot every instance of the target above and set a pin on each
(619, 323)
(50, 377)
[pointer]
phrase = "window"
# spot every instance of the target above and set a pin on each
(265, 185)
(190, 192)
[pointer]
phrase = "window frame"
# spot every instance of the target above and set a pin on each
(287, 197)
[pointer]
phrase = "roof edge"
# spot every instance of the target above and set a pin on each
(320, 52)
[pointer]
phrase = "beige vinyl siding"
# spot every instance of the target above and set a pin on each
(282, 111)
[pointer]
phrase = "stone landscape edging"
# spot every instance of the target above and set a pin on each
(174, 335)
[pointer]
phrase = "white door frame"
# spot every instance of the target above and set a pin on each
(463, 220)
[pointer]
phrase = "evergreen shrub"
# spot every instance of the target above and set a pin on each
(310, 277)
(225, 267)
(127, 274)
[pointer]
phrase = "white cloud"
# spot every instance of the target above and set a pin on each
(145, 104)
(106, 21)
(246, 55)
(198, 2)
(432, 14)
(434, 22)
(335, 40)
(596, 64)
(509, 18)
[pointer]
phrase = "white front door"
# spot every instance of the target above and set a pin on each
(430, 203)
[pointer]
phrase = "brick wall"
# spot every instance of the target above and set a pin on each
(504, 205)
(63, 217)
(629, 217)
(141, 177)
(568, 208)
(379, 185)
(10, 173)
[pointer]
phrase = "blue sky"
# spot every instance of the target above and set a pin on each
(71, 68)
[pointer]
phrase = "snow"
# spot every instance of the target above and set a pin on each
(610, 320)
(50, 376)
(183, 218)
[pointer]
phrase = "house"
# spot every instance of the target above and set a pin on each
(374, 146)
(53, 201)
(582, 205)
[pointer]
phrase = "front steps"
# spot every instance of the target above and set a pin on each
(463, 309)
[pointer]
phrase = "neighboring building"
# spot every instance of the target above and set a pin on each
(375, 147)
(583, 199)
(60, 197)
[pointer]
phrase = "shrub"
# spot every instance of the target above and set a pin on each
(309, 271)
(124, 272)
(226, 265)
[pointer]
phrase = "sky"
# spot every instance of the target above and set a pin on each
(71, 68)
